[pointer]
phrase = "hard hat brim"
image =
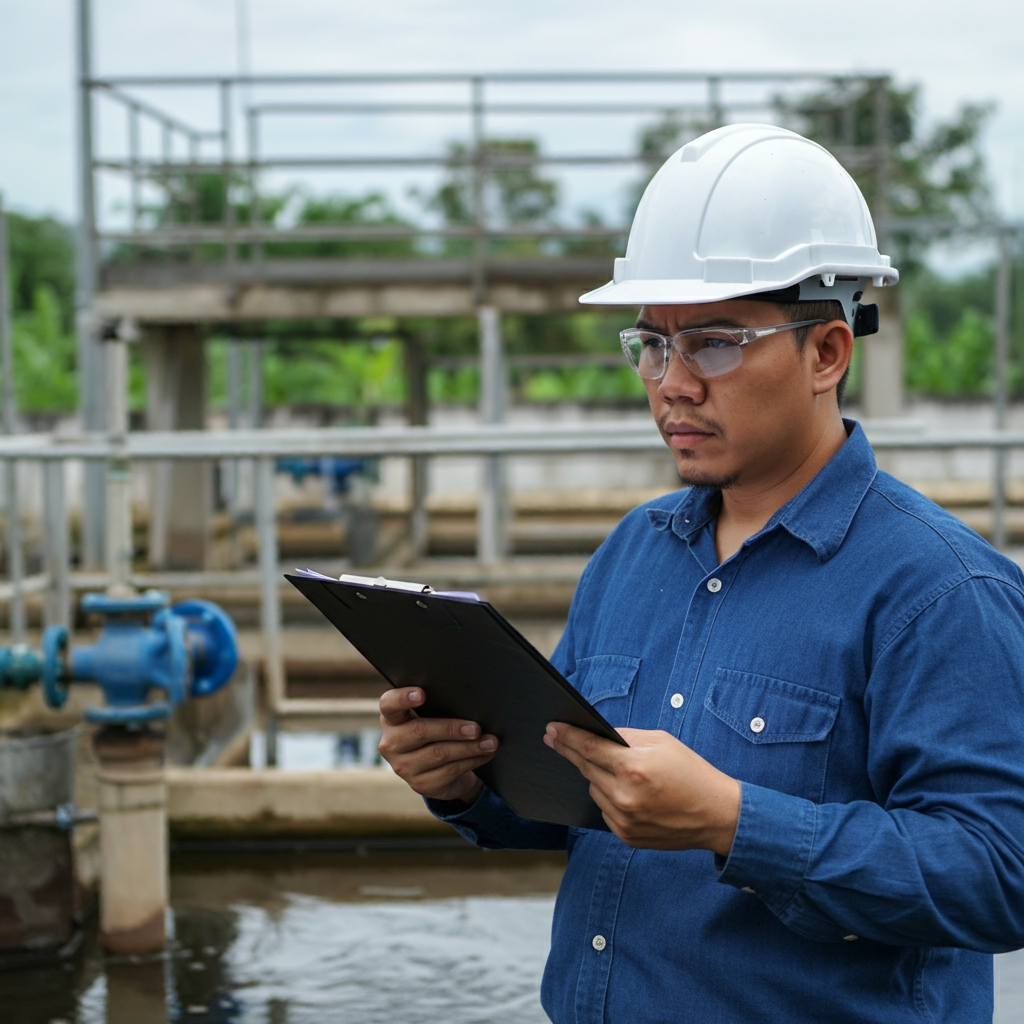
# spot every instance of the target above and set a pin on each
(671, 292)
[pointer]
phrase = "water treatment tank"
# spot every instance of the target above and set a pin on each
(38, 895)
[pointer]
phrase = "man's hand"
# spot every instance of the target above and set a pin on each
(656, 793)
(435, 756)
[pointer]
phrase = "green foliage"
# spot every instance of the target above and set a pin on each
(950, 334)
(359, 375)
(372, 209)
(42, 255)
(958, 363)
(583, 384)
(44, 356)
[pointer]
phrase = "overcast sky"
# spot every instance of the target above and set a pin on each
(956, 51)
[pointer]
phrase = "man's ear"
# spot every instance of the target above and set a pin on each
(828, 350)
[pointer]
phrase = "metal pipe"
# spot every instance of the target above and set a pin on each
(234, 467)
(341, 232)
(1001, 391)
(412, 78)
(227, 168)
(119, 545)
(255, 396)
(404, 441)
(492, 512)
(133, 150)
(6, 338)
(89, 354)
(15, 551)
(252, 123)
(478, 157)
(496, 161)
(270, 596)
(58, 555)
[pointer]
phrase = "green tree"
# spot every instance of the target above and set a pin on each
(44, 356)
(42, 255)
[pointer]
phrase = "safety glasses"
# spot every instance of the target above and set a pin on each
(706, 351)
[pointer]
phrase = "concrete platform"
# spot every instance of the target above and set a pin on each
(229, 803)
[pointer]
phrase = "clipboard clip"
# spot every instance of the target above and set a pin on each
(385, 584)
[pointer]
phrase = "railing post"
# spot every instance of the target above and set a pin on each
(119, 541)
(492, 514)
(417, 415)
(234, 466)
(1001, 391)
(15, 553)
(90, 353)
(270, 598)
(58, 555)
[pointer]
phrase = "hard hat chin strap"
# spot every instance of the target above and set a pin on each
(862, 317)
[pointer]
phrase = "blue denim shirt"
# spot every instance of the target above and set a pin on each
(859, 666)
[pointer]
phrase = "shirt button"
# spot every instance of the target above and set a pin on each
(599, 942)
(677, 700)
(757, 725)
(850, 938)
(746, 888)
(714, 585)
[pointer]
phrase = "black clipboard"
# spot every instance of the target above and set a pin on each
(472, 664)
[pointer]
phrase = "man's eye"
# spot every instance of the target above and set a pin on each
(716, 341)
(653, 341)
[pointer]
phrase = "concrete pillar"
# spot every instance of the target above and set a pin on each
(882, 380)
(181, 491)
(132, 797)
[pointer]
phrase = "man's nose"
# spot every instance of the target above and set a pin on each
(680, 382)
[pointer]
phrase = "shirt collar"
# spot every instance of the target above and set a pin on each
(820, 515)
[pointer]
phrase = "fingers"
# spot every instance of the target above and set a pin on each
(435, 756)
(397, 706)
(583, 748)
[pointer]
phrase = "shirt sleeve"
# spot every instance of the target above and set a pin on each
(938, 858)
(492, 824)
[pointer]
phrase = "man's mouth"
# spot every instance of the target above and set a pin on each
(686, 435)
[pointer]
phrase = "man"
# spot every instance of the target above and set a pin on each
(820, 813)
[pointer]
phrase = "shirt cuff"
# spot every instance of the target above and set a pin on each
(478, 821)
(772, 846)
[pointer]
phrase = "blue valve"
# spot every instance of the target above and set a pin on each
(334, 468)
(190, 650)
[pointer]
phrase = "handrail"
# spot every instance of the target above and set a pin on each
(405, 441)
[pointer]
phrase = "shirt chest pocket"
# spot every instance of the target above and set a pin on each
(769, 731)
(607, 681)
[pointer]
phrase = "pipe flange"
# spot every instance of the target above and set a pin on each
(55, 665)
(213, 642)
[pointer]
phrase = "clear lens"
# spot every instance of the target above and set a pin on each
(707, 354)
(710, 355)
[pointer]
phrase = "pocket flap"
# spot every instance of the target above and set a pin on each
(764, 709)
(605, 675)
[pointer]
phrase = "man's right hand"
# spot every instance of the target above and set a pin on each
(435, 756)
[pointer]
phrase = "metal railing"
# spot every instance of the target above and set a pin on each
(58, 583)
(468, 112)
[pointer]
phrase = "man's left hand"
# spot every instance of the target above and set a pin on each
(656, 793)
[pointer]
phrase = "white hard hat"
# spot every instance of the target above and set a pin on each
(747, 209)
